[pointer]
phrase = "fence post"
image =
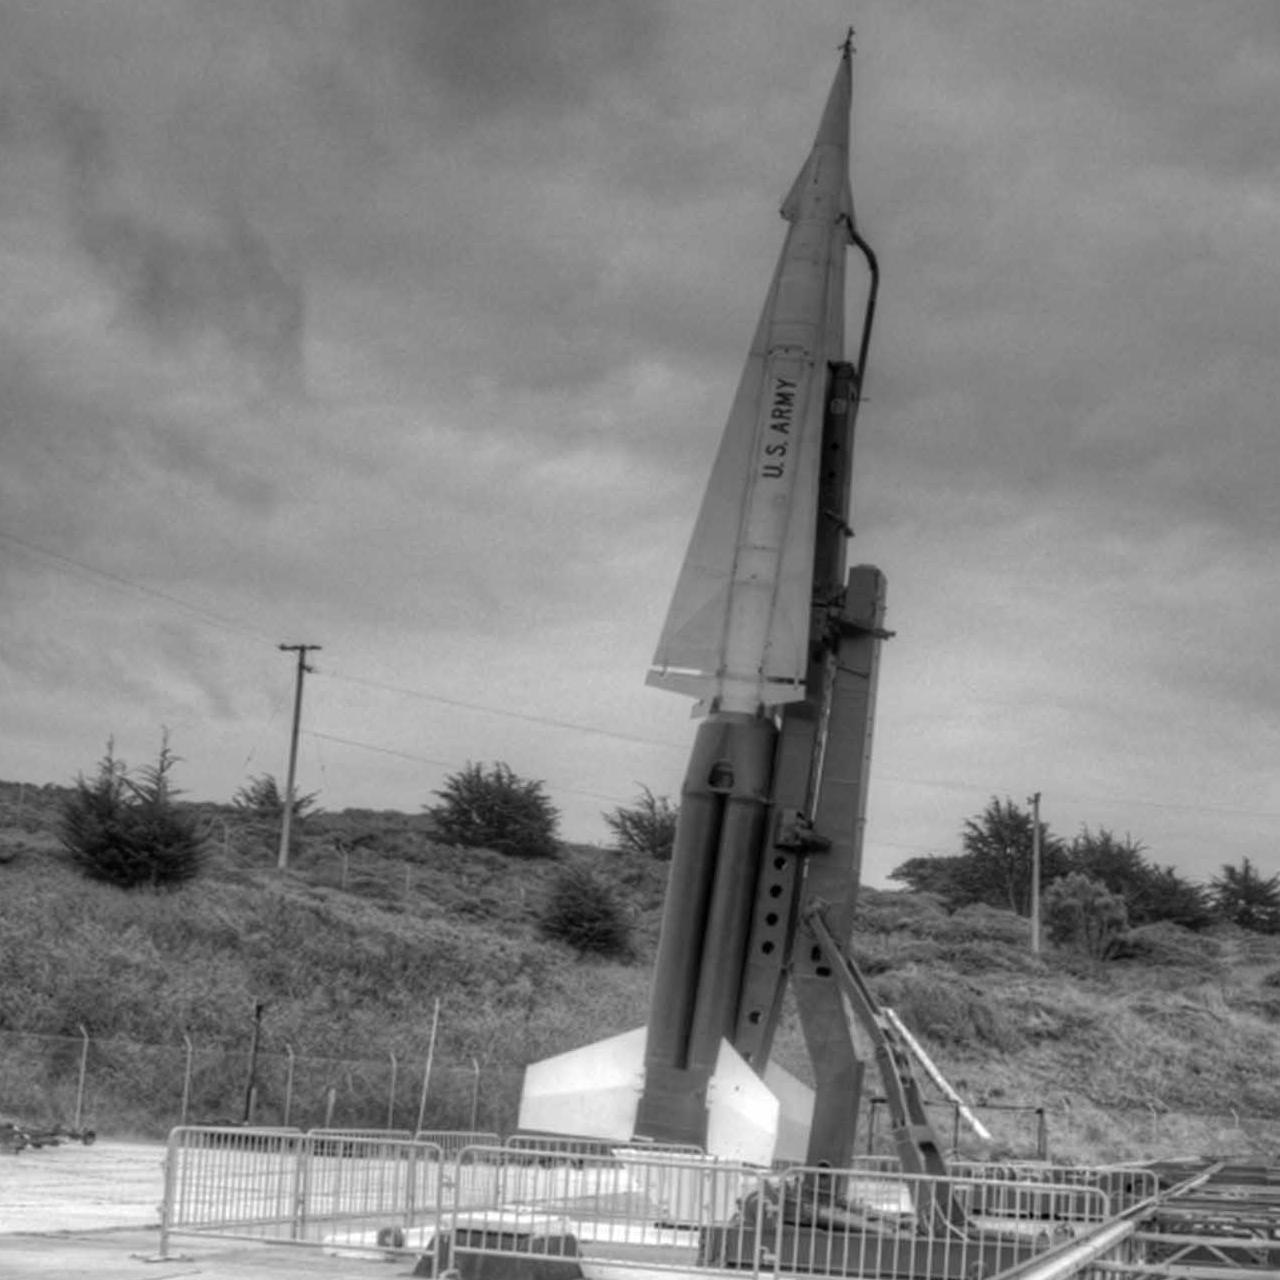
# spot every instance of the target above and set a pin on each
(391, 1094)
(166, 1203)
(301, 1183)
(251, 1087)
(475, 1093)
(288, 1084)
(186, 1078)
(1042, 1135)
(84, 1063)
(426, 1071)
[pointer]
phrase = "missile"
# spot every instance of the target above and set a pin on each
(737, 640)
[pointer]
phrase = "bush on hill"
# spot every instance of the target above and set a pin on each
(263, 798)
(647, 828)
(128, 831)
(497, 809)
(943, 1011)
(1081, 913)
(1246, 897)
(1168, 945)
(584, 911)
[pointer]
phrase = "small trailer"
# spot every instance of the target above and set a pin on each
(15, 1136)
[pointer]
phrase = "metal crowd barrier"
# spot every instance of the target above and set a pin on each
(619, 1207)
(344, 1191)
(451, 1141)
(674, 1212)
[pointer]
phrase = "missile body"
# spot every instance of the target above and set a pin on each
(737, 635)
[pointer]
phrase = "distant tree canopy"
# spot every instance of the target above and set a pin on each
(494, 808)
(647, 828)
(126, 830)
(1247, 898)
(995, 869)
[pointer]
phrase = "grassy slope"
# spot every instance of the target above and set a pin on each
(374, 921)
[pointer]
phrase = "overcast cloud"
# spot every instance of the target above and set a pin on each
(409, 329)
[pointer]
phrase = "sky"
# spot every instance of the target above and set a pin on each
(408, 330)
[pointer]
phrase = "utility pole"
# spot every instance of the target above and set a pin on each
(1034, 802)
(286, 824)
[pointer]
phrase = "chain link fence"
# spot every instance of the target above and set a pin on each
(125, 1087)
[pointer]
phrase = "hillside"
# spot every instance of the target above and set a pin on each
(347, 952)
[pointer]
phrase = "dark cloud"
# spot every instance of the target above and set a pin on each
(220, 278)
(483, 58)
(522, 247)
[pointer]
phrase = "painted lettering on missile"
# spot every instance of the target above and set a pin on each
(782, 409)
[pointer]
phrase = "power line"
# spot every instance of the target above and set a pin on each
(448, 764)
(225, 623)
(550, 721)
(116, 580)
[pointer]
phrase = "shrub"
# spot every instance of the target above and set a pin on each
(944, 1011)
(128, 832)
(1246, 897)
(1083, 914)
(1167, 945)
(647, 828)
(496, 809)
(262, 797)
(583, 911)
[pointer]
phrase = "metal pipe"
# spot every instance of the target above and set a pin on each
(391, 1094)
(84, 1063)
(288, 1084)
(186, 1078)
(426, 1070)
(1071, 1262)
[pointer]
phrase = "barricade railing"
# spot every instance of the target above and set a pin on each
(682, 1213)
(239, 1182)
(671, 1211)
(554, 1145)
(343, 1191)
(619, 1204)
(452, 1141)
(1124, 1186)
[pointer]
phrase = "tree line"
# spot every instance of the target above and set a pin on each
(994, 867)
(123, 827)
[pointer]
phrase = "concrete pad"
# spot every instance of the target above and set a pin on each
(71, 1211)
(131, 1255)
(77, 1188)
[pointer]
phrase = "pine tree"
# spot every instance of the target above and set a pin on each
(497, 809)
(128, 831)
(647, 828)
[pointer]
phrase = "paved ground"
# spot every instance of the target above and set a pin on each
(77, 1188)
(74, 1211)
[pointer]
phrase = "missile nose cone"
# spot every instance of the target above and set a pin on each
(829, 155)
(833, 128)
